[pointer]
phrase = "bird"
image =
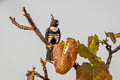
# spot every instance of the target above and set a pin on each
(52, 35)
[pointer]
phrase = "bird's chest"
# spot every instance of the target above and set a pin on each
(53, 36)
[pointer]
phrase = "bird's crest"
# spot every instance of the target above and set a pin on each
(54, 22)
(52, 17)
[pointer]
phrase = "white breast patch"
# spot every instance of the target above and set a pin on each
(54, 29)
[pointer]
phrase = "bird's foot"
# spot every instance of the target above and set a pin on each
(49, 47)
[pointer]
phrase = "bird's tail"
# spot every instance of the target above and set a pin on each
(49, 55)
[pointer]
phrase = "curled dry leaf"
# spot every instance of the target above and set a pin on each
(112, 36)
(64, 55)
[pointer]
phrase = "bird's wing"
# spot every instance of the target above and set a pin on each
(59, 34)
(47, 34)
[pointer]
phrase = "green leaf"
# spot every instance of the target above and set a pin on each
(84, 52)
(95, 60)
(98, 71)
(112, 36)
(93, 44)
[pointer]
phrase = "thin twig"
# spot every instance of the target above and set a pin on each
(30, 74)
(108, 47)
(20, 26)
(32, 24)
(44, 69)
(116, 49)
(38, 75)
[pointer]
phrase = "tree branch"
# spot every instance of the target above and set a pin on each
(20, 26)
(32, 24)
(38, 33)
(30, 74)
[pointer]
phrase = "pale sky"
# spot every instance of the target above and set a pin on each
(20, 50)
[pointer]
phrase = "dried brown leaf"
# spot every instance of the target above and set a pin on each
(98, 71)
(117, 35)
(30, 75)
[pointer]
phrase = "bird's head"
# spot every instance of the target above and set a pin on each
(54, 22)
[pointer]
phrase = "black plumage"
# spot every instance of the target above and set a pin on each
(53, 36)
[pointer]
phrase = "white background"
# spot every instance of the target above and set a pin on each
(20, 50)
